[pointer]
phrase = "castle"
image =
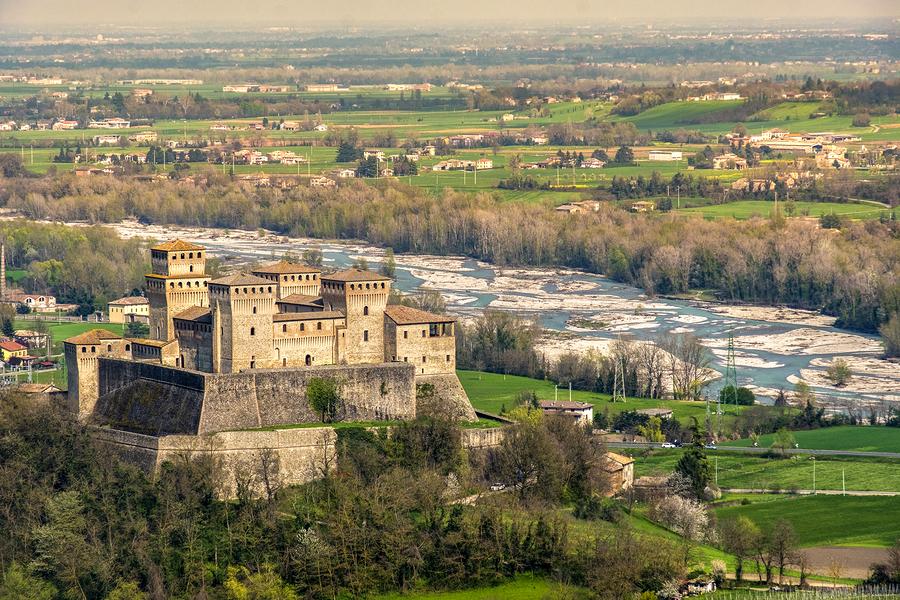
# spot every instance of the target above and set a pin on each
(236, 352)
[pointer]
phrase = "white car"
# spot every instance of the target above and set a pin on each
(498, 487)
(668, 445)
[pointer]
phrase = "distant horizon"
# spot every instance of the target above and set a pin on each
(59, 15)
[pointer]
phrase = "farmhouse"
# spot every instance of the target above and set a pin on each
(32, 339)
(729, 161)
(111, 123)
(129, 309)
(620, 470)
(642, 206)
(106, 140)
(143, 136)
(10, 349)
(64, 124)
(582, 412)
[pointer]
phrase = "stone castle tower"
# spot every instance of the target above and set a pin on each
(362, 296)
(243, 308)
(291, 278)
(177, 281)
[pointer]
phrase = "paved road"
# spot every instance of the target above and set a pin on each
(817, 492)
(750, 450)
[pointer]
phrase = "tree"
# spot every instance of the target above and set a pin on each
(652, 430)
(18, 584)
(862, 120)
(360, 263)
(323, 395)
(127, 590)
(783, 545)
(136, 329)
(389, 265)
(839, 372)
(529, 460)
(784, 440)
(694, 465)
(8, 328)
(624, 156)
(741, 396)
(890, 335)
(265, 585)
(739, 537)
(781, 399)
(348, 152)
(312, 257)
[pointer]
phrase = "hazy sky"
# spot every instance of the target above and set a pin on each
(427, 13)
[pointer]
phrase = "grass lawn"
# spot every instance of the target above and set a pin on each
(491, 392)
(520, 588)
(863, 439)
(796, 472)
(745, 209)
(828, 520)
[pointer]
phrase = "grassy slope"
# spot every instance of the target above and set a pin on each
(864, 439)
(756, 472)
(829, 520)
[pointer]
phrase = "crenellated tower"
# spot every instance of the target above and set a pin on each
(362, 296)
(243, 309)
(177, 281)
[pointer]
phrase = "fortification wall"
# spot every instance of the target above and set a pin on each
(264, 398)
(300, 454)
(447, 399)
(153, 399)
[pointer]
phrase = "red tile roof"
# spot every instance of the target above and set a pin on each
(355, 275)
(176, 246)
(94, 336)
(407, 315)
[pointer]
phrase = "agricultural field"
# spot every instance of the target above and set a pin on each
(828, 520)
(747, 209)
(755, 472)
(861, 439)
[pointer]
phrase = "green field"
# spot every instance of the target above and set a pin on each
(828, 520)
(491, 391)
(746, 209)
(862, 439)
(796, 472)
(523, 587)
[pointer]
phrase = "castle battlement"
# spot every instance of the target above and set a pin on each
(282, 317)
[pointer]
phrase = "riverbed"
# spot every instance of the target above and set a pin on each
(774, 346)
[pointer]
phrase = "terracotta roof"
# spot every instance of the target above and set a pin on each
(564, 405)
(302, 299)
(130, 300)
(94, 336)
(619, 458)
(176, 246)
(240, 279)
(195, 313)
(284, 267)
(355, 275)
(407, 315)
(313, 315)
(11, 346)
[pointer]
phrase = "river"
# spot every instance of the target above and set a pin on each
(774, 347)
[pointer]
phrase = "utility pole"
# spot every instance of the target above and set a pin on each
(570, 391)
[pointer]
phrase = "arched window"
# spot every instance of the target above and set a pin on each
(254, 310)
(93, 348)
(366, 310)
(302, 326)
(192, 268)
(199, 255)
(182, 256)
(284, 328)
(127, 347)
(84, 348)
(319, 325)
(190, 255)
(109, 347)
(308, 360)
(253, 331)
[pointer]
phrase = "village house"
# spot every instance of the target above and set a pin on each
(141, 92)
(35, 302)
(143, 136)
(111, 123)
(32, 339)
(581, 412)
(10, 349)
(7, 125)
(290, 126)
(64, 124)
(322, 87)
(321, 127)
(729, 161)
(106, 140)
(642, 206)
(620, 470)
(345, 173)
(322, 182)
(130, 309)
(662, 413)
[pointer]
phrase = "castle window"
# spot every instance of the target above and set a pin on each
(308, 360)
(405, 335)
(405, 359)
(253, 331)
(448, 358)
(172, 284)
(84, 348)
(179, 284)
(365, 310)
(192, 268)
(366, 335)
(190, 255)
(284, 328)
(367, 286)
(182, 256)
(382, 285)
(302, 327)
(254, 310)
(423, 333)
(109, 347)
(127, 347)
(424, 359)
(270, 289)
(319, 325)
(93, 348)
(252, 364)
(199, 255)
(253, 290)
(314, 276)
(283, 362)
(245, 290)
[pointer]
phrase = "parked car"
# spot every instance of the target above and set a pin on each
(668, 445)
(710, 446)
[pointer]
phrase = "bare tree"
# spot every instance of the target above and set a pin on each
(689, 362)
